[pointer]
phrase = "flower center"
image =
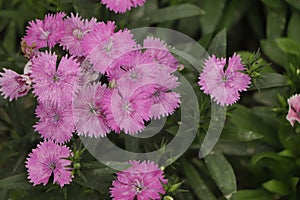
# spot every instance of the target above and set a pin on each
(224, 79)
(56, 117)
(55, 78)
(52, 166)
(127, 107)
(138, 185)
(133, 76)
(78, 33)
(108, 46)
(92, 109)
(156, 93)
(44, 34)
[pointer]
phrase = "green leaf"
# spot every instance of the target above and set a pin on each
(276, 21)
(205, 40)
(251, 195)
(294, 28)
(271, 49)
(294, 3)
(289, 46)
(273, 3)
(280, 166)
(218, 44)
(171, 13)
(173, 188)
(242, 148)
(10, 14)
(233, 133)
(246, 118)
(269, 80)
(196, 182)
(17, 182)
(288, 138)
(277, 187)
(210, 20)
(9, 42)
(222, 173)
(234, 10)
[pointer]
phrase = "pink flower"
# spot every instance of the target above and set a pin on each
(122, 6)
(294, 109)
(158, 51)
(164, 102)
(47, 159)
(76, 30)
(103, 47)
(14, 85)
(53, 84)
(142, 181)
(129, 61)
(224, 85)
(89, 114)
(47, 32)
(56, 121)
(127, 109)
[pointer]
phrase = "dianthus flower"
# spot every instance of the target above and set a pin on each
(56, 121)
(127, 109)
(49, 159)
(47, 32)
(122, 6)
(103, 47)
(89, 116)
(294, 109)
(158, 51)
(14, 85)
(221, 83)
(54, 84)
(75, 30)
(142, 180)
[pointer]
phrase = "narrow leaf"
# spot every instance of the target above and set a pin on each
(271, 49)
(251, 195)
(277, 187)
(218, 44)
(196, 182)
(210, 20)
(289, 46)
(269, 80)
(276, 20)
(171, 13)
(294, 28)
(18, 182)
(222, 173)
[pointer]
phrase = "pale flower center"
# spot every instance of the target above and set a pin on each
(133, 76)
(108, 46)
(78, 33)
(44, 34)
(94, 110)
(127, 107)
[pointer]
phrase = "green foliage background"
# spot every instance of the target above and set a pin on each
(258, 154)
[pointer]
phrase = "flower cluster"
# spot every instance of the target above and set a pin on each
(122, 6)
(142, 180)
(102, 82)
(224, 85)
